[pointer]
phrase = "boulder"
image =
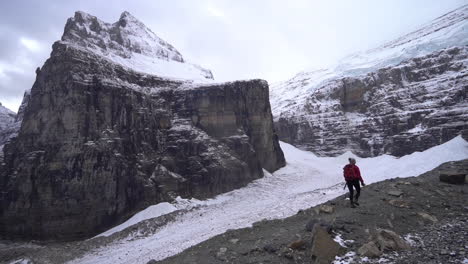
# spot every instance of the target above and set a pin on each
(453, 177)
(370, 250)
(382, 240)
(389, 240)
(324, 248)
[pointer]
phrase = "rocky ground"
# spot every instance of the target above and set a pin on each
(431, 215)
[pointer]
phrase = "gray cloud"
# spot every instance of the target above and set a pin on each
(240, 39)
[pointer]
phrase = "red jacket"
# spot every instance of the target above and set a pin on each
(351, 172)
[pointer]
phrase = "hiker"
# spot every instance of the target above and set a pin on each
(352, 176)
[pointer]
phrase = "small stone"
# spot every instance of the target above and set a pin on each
(270, 248)
(327, 209)
(399, 203)
(428, 217)
(389, 223)
(297, 245)
(234, 240)
(443, 252)
(395, 193)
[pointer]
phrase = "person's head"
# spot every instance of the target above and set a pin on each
(352, 161)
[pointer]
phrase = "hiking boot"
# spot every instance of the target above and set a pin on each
(356, 201)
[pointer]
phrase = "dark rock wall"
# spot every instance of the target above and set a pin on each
(99, 142)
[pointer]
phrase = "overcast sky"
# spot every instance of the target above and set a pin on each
(236, 39)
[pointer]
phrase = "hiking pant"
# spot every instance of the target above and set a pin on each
(356, 185)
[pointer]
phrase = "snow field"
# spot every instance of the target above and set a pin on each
(306, 180)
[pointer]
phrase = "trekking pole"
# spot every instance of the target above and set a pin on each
(344, 187)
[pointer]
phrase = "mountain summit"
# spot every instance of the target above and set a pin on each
(130, 43)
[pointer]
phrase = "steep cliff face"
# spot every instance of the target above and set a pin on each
(99, 141)
(406, 96)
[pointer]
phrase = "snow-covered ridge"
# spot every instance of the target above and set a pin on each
(445, 31)
(130, 43)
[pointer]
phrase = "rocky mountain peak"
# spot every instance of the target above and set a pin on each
(129, 42)
(127, 18)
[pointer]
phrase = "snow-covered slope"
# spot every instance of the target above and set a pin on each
(446, 31)
(307, 180)
(130, 43)
(416, 80)
(8, 126)
(443, 32)
(6, 117)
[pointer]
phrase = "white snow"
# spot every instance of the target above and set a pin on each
(417, 129)
(307, 180)
(130, 43)
(346, 259)
(338, 239)
(150, 212)
(22, 261)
